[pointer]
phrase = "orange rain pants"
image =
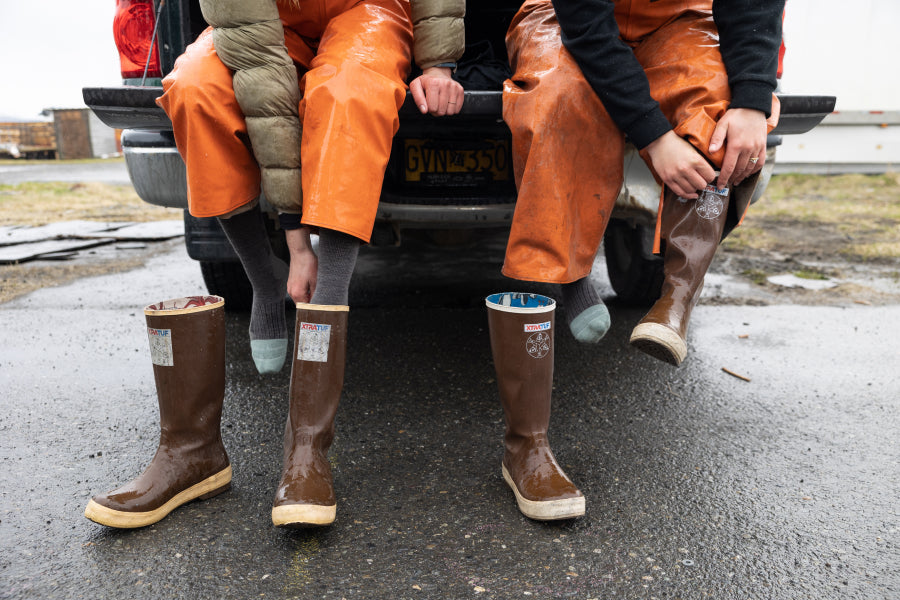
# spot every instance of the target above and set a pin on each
(353, 58)
(567, 152)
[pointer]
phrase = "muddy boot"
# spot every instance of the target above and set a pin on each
(187, 346)
(691, 230)
(521, 330)
(305, 496)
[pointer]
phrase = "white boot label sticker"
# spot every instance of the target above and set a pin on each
(161, 347)
(537, 326)
(313, 341)
(538, 344)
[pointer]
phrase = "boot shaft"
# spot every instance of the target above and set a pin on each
(317, 370)
(187, 348)
(522, 343)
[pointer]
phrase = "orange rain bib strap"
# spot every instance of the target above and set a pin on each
(567, 154)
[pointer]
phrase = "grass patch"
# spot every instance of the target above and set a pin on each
(17, 162)
(811, 274)
(854, 215)
(18, 280)
(757, 276)
(42, 203)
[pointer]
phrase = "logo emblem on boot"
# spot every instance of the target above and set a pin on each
(538, 344)
(711, 203)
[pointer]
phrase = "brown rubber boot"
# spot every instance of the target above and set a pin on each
(692, 230)
(187, 346)
(521, 330)
(305, 496)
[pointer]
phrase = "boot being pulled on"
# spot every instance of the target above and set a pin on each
(691, 231)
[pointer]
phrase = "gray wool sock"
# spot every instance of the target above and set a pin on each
(337, 259)
(587, 315)
(267, 273)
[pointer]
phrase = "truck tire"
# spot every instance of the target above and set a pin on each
(227, 279)
(636, 274)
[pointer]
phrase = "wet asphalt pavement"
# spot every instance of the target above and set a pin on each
(698, 484)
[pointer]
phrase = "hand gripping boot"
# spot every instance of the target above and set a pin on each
(187, 346)
(691, 230)
(521, 330)
(305, 495)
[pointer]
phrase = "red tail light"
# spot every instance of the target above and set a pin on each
(133, 32)
(780, 60)
(781, 51)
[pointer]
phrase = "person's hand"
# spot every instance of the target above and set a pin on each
(304, 265)
(681, 168)
(742, 131)
(435, 92)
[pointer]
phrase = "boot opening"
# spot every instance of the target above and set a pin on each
(520, 302)
(186, 304)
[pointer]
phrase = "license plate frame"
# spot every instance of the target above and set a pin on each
(456, 163)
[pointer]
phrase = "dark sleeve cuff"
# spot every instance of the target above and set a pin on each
(647, 129)
(290, 221)
(752, 94)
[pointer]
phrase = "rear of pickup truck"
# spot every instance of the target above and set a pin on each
(444, 174)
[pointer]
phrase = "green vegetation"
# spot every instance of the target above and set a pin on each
(41, 203)
(811, 274)
(857, 216)
(757, 276)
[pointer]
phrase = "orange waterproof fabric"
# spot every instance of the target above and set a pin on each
(353, 58)
(567, 152)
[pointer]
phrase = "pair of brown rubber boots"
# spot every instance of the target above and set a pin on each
(187, 342)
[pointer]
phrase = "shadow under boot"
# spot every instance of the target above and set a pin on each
(187, 346)
(305, 496)
(521, 331)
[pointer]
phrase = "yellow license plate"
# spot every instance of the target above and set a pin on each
(430, 162)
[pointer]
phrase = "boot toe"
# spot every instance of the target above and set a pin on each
(660, 342)
(127, 509)
(563, 501)
(303, 515)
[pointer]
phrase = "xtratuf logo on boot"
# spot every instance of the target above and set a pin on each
(313, 341)
(161, 346)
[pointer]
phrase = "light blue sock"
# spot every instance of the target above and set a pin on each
(588, 316)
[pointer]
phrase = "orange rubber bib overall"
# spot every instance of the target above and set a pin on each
(568, 153)
(353, 58)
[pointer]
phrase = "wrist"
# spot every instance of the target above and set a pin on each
(298, 239)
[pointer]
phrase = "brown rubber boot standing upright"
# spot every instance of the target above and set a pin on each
(691, 230)
(521, 329)
(305, 496)
(187, 346)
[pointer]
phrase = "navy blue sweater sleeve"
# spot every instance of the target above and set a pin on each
(749, 38)
(591, 35)
(749, 32)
